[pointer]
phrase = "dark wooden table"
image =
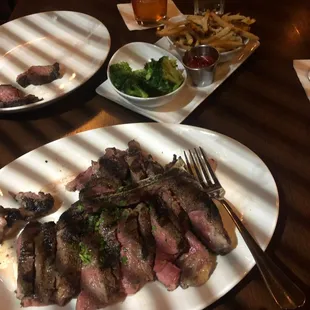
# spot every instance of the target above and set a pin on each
(262, 105)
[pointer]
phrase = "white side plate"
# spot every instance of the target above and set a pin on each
(189, 98)
(79, 42)
(249, 185)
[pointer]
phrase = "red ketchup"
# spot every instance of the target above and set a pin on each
(200, 62)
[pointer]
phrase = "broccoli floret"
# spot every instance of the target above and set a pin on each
(119, 73)
(171, 72)
(131, 87)
(162, 76)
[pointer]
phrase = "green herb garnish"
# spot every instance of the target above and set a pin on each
(124, 260)
(80, 207)
(154, 228)
(85, 254)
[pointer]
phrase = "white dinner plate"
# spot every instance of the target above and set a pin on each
(249, 185)
(79, 42)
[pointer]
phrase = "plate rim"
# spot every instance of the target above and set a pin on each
(240, 277)
(37, 105)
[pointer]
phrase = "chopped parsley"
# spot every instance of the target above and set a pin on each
(102, 244)
(154, 228)
(122, 203)
(98, 222)
(85, 254)
(92, 220)
(80, 207)
(124, 260)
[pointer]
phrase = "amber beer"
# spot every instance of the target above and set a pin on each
(149, 12)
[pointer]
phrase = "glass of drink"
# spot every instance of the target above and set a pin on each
(201, 6)
(149, 12)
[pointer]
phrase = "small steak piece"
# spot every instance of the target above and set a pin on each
(196, 265)
(166, 271)
(135, 161)
(172, 203)
(83, 178)
(8, 217)
(39, 75)
(145, 228)
(26, 259)
(68, 264)
(85, 301)
(45, 254)
(169, 239)
(13, 97)
(135, 270)
(152, 167)
(34, 205)
(113, 163)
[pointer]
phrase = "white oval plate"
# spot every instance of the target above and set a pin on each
(79, 42)
(249, 185)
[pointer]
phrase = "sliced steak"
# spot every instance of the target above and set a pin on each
(166, 271)
(145, 228)
(68, 263)
(196, 265)
(39, 75)
(136, 271)
(13, 97)
(26, 259)
(34, 205)
(45, 254)
(169, 239)
(80, 181)
(202, 212)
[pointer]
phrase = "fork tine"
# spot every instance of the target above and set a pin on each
(189, 168)
(204, 170)
(198, 173)
(205, 157)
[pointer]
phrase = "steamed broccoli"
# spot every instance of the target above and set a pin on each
(159, 77)
(119, 73)
(163, 75)
(131, 87)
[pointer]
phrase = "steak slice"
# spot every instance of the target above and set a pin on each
(13, 97)
(34, 205)
(152, 167)
(81, 180)
(100, 276)
(177, 213)
(39, 75)
(68, 263)
(26, 258)
(166, 271)
(135, 270)
(45, 254)
(169, 239)
(135, 161)
(196, 265)
(145, 228)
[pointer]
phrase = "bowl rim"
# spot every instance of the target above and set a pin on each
(245, 42)
(184, 73)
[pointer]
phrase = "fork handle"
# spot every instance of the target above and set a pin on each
(283, 290)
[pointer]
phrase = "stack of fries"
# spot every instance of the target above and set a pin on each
(225, 33)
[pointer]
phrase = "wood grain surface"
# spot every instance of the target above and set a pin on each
(262, 105)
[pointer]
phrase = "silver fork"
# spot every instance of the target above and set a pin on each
(283, 290)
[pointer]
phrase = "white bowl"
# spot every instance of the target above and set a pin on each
(224, 56)
(137, 54)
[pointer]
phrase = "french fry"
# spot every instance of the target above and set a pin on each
(166, 32)
(246, 34)
(189, 38)
(204, 22)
